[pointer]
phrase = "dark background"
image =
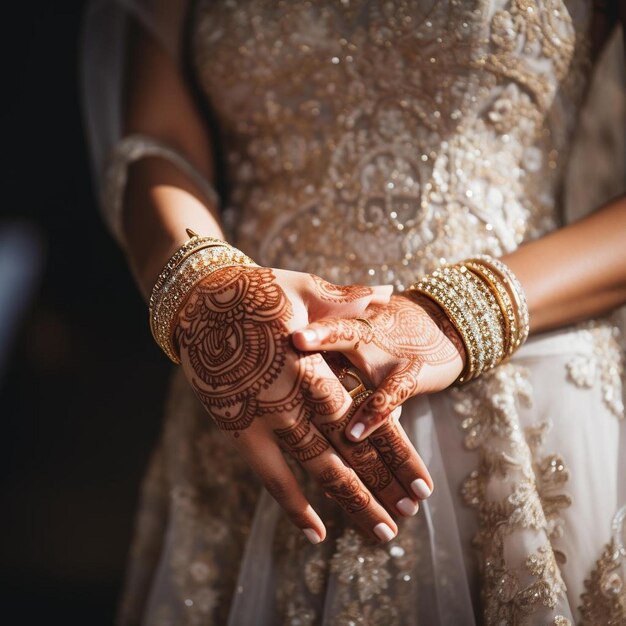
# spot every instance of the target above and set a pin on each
(80, 401)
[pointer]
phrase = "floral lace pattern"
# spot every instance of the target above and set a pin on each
(518, 494)
(604, 601)
(605, 367)
(208, 519)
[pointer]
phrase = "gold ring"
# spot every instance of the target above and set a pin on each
(364, 321)
(354, 374)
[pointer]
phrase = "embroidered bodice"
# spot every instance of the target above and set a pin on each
(366, 141)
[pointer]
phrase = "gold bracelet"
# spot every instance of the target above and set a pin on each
(195, 243)
(434, 287)
(489, 315)
(192, 262)
(485, 303)
(486, 328)
(504, 302)
(516, 291)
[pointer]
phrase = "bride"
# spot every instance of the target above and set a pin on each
(346, 217)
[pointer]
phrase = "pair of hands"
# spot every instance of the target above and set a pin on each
(251, 341)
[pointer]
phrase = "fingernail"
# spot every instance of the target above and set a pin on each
(309, 335)
(420, 488)
(395, 414)
(357, 430)
(311, 535)
(383, 532)
(406, 506)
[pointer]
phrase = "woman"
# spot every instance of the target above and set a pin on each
(368, 143)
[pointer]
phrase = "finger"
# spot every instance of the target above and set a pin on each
(333, 334)
(395, 447)
(329, 300)
(391, 393)
(301, 439)
(381, 294)
(370, 466)
(332, 409)
(266, 460)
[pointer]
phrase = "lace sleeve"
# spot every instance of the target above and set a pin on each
(128, 150)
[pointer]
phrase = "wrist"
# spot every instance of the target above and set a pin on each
(485, 303)
(441, 319)
(189, 265)
(160, 203)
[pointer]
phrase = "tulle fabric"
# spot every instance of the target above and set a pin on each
(197, 559)
(441, 593)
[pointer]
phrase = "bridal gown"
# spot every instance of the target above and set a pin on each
(368, 142)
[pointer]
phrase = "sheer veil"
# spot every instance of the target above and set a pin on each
(103, 47)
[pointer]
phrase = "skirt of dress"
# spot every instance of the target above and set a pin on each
(525, 524)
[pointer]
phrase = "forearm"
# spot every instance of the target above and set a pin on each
(160, 203)
(161, 200)
(576, 272)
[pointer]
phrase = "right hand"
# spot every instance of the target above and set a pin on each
(234, 340)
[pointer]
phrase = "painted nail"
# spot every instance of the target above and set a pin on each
(406, 506)
(383, 532)
(420, 488)
(357, 430)
(311, 535)
(309, 335)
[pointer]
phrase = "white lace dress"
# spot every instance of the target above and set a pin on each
(369, 142)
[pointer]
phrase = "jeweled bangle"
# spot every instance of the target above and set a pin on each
(486, 304)
(489, 315)
(187, 267)
(516, 291)
(487, 328)
(189, 247)
(503, 298)
(434, 287)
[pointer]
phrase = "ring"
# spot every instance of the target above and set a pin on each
(366, 322)
(348, 375)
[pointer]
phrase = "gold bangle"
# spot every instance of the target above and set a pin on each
(192, 262)
(433, 287)
(490, 318)
(516, 292)
(503, 298)
(195, 243)
(486, 305)
(484, 326)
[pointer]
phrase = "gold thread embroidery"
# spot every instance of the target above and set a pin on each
(517, 494)
(604, 598)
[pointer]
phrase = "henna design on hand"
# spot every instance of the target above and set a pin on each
(326, 396)
(339, 293)
(438, 315)
(233, 329)
(310, 450)
(403, 330)
(391, 446)
(363, 457)
(296, 441)
(293, 435)
(367, 462)
(343, 487)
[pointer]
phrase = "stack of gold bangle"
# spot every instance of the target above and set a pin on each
(193, 261)
(486, 304)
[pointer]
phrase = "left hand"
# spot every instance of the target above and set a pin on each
(405, 347)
